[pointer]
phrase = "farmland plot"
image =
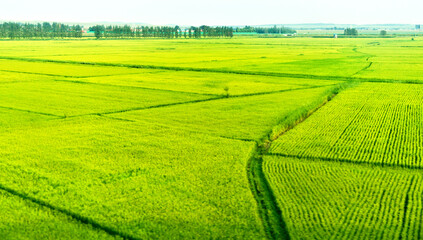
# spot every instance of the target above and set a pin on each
(329, 200)
(241, 117)
(324, 57)
(21, 219)
(140, 180)
(400, 60)
(207, 83)
(64, 98)
(60, 69)
(145, 172)
(377, 123)
(155, 176)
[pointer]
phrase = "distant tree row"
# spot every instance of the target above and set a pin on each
(160, 32)
(246, 29)
(14, 30)
(271, 30)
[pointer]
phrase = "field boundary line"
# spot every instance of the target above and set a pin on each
(72, 215)
(65, 76)
(237, 139)
(118, 119)
(305, 113)
(194, 101)
(144, 108)
(270, 214)
(137, 87)
(10, 82)
(30, 111)
(368, 56)
(214, 70)
(269, 211)
(347, 161)
(103, 114)
(132, 87)
(363, 69)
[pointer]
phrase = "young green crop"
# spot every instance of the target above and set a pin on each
(21, 219)
(139, 179)
(329, 200)
(250, 117)
(61, 70)
(377, 123)
(65, 98)
(322, 57)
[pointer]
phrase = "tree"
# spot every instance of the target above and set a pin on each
(383, 33)
(351, 32)
(177, 29)
(98, 31)
(47, 29)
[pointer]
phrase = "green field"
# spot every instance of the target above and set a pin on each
(243, 138)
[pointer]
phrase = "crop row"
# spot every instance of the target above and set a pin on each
(376, 123)
(321, 200)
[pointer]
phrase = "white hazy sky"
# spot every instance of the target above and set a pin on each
(215, 12)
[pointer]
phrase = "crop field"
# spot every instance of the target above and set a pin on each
(243, 138)
(321, 200)
(378, 123)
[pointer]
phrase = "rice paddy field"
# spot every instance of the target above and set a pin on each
(243, 138)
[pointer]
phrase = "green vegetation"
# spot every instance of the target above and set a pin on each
(267, 30)
(350, 32)
(328, 200)
(16, 30)
(372, 123)
(243, 138)
(23, 219)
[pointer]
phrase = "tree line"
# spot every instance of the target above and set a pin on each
(266, 30)
(101, 31)
(14, 30)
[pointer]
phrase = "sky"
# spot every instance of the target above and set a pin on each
(216, 12)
